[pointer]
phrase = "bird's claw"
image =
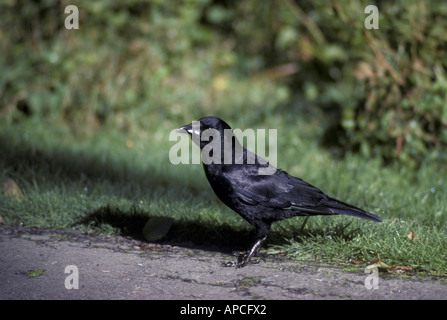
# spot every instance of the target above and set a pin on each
(242, 260)
(229, 264)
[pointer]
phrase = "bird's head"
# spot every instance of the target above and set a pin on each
(219, 145)
(202, 129)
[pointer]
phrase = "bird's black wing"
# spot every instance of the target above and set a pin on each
(293, 195)
(279, 190)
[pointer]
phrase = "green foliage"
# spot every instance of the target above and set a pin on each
(400, 112)
(131, 65)
(136, 63)
(387, 86)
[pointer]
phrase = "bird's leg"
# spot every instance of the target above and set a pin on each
(262, 230)
(243, 258)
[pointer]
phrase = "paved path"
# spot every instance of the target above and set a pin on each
(33, 264)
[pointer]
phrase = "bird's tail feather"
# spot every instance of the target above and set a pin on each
(339, 207)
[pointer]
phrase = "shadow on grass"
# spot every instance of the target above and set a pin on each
(44, 170)
(60, 165)
(219, 237)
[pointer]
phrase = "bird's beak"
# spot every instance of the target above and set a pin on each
(185, 129)
(190, 129)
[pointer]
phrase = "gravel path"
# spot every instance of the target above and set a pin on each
(43, 264)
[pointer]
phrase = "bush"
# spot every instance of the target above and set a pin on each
(387, 86)
(383, 90)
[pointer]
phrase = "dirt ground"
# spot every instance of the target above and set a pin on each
(54, 264)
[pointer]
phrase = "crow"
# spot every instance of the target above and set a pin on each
(260, 197)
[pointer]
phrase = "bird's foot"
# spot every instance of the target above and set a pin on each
(244, 257)
(229, 264)
(242, 260)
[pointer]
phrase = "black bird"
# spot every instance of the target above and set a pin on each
(260, 199)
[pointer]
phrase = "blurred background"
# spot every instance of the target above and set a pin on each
(135, 65)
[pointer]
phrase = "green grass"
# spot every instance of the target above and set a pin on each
(101, 183)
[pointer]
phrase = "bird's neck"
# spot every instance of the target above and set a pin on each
(223, 150)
